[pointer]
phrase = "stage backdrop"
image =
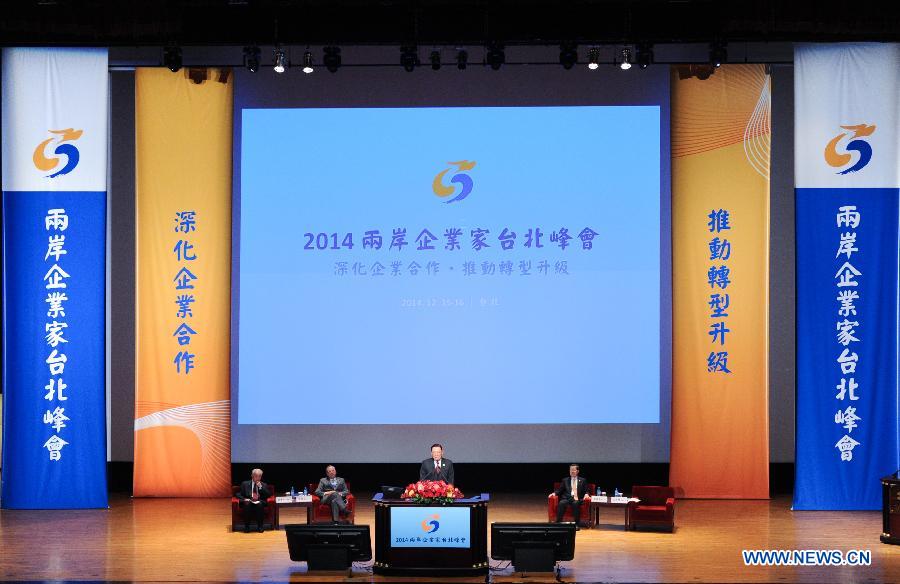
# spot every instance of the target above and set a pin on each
(54, 238)
(720, 239)
(847, 179)
(182, 444)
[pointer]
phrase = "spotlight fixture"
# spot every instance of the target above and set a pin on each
(172, 58)
(593, 58)
(307, 62)
(495, 56)
(644, 55)
(435, 59)
(462, 59)
(409, 57)
(280, 63)
(568, 55)
(625, 63)
(251, 59)
(332, 59)
(718, 54)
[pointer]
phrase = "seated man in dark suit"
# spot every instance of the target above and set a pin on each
(571, 493)
(437, 468)
(332, 490)
(253, 498)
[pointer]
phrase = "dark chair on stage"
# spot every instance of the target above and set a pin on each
(321, 513)
(553, 503)
(655, 508)
(269, 515)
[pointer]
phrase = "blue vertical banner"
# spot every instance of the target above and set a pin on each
(848, 275)
(54, 120)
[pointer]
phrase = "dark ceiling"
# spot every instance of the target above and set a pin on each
(440, 22)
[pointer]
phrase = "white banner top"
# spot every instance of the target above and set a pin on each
(55, 119)
(845, 120)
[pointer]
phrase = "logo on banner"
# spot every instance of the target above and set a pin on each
(459, 177)
(857, 143)
(61, 146)
(431, 526)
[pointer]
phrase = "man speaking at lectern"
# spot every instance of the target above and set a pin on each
(437, 468)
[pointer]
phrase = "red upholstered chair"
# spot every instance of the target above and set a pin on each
(553, 503)
(270, 515)
(656, 507)
(322, 513)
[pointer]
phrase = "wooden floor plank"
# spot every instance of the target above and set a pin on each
(191, 540)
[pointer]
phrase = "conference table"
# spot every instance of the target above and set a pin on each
(431, 540)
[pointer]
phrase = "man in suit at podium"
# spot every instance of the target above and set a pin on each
(332, 490)
(253, 498)
(571, 493)
(437, 468)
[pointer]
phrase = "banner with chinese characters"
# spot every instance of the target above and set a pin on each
(847, 101)
(720, 304)
(182, 443)
(54, 277)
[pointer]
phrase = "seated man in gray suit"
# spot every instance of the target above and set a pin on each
(437, 468)
(332, 490)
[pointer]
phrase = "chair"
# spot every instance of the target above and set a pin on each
(656, 507)
(321, 513)
(553, 503)
(270, 515)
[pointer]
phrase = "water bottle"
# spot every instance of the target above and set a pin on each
(305, 493)
(617, 493)
(293, 492)
(598, 491)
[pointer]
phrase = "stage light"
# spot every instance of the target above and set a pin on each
(172, 58)
(409, 57)
(435, 60)
(251, 59)
(625, 62)
(568, 55)
(718, 54)
(307, 63)
(280, 60)
(462, 59)
(594, 58)
(644, 55)
(332, 59)
(495, 56)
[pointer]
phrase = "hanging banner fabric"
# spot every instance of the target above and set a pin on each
(54, 278)
(182, 443)
(847, 185)
(720, 239)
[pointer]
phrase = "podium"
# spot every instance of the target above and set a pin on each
(431, 540)
(890, 487)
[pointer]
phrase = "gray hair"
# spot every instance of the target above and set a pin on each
(256, 470)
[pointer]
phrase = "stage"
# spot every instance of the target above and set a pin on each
(191, 540)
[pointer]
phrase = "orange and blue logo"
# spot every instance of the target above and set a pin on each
(459, 177)
(855, 135)
(431, 526)
(61, 144)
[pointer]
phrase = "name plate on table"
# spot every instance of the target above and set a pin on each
(599, 499)
(297, 499)
(619, 500)
(430, 527)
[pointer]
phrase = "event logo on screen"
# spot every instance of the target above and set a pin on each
(841, 159)
(62, 147)
(431, 526)
(457, 178)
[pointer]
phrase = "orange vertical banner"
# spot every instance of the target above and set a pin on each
(182, 443)
(720, 237)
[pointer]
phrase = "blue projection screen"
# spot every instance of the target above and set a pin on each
(399, 265)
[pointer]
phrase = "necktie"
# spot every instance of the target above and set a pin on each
(255, 493)
(574, 488)
(437, 466)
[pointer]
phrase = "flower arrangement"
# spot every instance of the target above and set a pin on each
(428, 492)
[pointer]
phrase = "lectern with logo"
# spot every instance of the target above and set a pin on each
(415, 539)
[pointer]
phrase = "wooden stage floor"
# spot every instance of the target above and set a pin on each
(191, 540)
